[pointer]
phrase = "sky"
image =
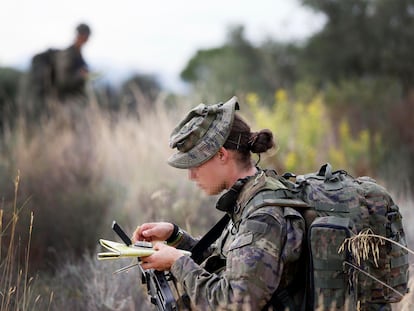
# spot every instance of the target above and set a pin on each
(148, 37)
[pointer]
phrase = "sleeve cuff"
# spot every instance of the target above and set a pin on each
(182, 266)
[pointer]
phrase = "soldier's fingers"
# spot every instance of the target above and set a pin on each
(146, 265)
(139, 232)
(147, 234)
(135, 235)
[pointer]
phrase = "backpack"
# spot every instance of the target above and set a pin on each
(353, 229)
(42, 72)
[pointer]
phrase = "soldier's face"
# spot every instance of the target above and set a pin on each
(83, 38)
(208, 176)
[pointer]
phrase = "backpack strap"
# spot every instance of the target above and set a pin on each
(208, 239)
(282, 299)
(279, 197)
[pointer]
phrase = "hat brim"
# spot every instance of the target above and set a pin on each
(211, 142)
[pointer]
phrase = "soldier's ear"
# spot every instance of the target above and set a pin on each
(223, 154)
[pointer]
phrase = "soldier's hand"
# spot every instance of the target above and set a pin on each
(153, 231)
(162, 259)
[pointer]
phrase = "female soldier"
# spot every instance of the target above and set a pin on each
(254, 262)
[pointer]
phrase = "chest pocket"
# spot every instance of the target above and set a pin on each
(241, 240)
(236, 240)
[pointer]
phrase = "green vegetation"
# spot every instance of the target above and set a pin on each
(360, 64)
(307, 137)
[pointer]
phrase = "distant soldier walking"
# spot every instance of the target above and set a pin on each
(71, 68)
(58, 75)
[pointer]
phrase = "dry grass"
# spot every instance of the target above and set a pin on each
(16, 286)
(80, 169)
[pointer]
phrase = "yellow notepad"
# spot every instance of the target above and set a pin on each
(119, 250)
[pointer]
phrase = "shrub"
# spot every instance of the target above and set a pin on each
(307, 138)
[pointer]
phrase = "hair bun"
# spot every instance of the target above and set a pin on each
(261, 141)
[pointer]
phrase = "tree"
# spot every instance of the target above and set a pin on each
(139, 92)
(223, 70)
(239, 66)
(363, 58)
(363, 38)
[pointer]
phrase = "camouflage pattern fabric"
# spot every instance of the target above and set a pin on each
(326, 235)
(256, 254)
(366, 205)
(338, 206)
(201, 134)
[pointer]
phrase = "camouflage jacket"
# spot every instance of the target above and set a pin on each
(259, 251)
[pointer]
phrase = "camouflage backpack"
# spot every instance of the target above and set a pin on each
(353, 227)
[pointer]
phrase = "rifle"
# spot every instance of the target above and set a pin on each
(158, 289)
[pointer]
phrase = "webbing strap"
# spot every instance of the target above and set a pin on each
(399, 280)
(211, 236)
(331, 207)
(331, 264)
(329, 283)
(275, 198)
(399, 261)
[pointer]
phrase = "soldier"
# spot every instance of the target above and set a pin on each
(57, 75)
(256, 261)
(71, 68)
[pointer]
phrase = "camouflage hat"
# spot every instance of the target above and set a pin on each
(201, 134)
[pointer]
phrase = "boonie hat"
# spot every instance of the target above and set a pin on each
(201, 134)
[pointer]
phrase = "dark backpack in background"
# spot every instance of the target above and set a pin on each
(42, 72)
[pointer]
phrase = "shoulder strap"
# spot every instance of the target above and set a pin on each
(280, 198)
(211, 236)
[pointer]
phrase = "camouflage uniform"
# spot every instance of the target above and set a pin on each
(257, 254)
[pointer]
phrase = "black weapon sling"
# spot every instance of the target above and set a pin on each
(212, 235)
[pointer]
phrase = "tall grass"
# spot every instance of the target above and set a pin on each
(82, 168)
(16, 286)
(85, 167)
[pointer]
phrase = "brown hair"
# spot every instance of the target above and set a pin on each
(245, 142)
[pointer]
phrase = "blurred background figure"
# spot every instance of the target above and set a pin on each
(58, 75)
(71, 68)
